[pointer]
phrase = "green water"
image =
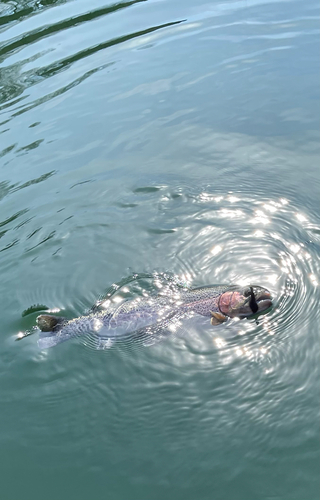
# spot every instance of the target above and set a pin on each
(156, 136)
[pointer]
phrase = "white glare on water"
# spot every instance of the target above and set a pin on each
(258, 233)
(216, 249)
(301, 217)
(313, 279)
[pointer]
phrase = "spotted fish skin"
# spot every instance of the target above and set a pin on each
(134, 315)
(203, 300)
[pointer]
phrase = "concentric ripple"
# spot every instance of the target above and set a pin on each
(242, 239)
(231, 238)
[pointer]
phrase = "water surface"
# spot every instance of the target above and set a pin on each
(175, 137)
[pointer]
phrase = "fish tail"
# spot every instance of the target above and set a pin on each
(50, 327)
(49, 341)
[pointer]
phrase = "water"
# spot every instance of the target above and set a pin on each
(156, 136)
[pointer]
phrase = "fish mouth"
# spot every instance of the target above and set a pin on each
(264, 304)
(263, 300)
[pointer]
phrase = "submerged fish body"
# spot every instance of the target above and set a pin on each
(215, 302)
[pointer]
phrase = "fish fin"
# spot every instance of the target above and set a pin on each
(217, 318)
(47, 323)
(50, 326)
(48, 341)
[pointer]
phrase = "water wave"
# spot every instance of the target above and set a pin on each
(234, 238)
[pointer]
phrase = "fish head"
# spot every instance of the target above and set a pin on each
(243, 302)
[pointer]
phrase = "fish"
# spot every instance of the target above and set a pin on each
(156, 313)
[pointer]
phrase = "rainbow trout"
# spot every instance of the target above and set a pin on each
(216, 302)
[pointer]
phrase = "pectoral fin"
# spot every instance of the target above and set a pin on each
(217, 318)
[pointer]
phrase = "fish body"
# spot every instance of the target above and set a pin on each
(215, 302)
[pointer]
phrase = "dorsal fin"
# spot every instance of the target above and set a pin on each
(48, 323)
